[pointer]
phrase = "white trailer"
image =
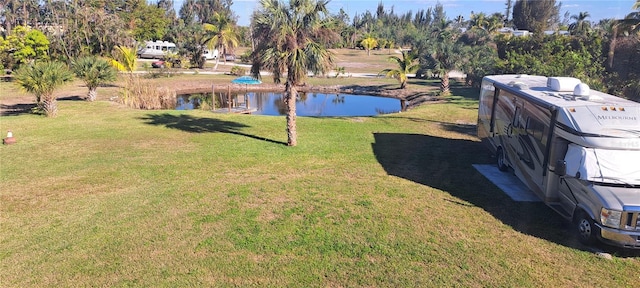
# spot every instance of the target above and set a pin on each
(575, 148)
(157, 49)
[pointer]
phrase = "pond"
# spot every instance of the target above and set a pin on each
(307, 104)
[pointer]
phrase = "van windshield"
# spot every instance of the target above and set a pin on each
(603, 165)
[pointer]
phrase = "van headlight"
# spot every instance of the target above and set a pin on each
(610, 218)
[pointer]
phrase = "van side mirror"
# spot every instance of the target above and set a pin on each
(561, 168)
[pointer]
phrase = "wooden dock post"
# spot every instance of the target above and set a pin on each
(213, 97)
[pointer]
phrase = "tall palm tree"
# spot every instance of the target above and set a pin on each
(223, 35)
(405, 66)
(94, 72)
(42, 79)
(581, 25)
(286, 41)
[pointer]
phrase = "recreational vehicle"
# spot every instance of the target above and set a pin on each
(577, 149)
(157, 49)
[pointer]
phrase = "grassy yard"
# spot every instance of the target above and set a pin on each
(108, 196)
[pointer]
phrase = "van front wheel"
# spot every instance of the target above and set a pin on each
(502, 166)
(586, 230)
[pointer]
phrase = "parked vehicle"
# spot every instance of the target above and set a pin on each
(210, 54)
(157, 49)
(229, 57)
(576, 149)
(158, 64)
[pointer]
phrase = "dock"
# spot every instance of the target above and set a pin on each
(235, 110)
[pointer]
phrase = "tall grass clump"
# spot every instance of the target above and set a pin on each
(140, 94)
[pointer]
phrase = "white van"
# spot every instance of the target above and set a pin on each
(210, 54)
(577, 149)
(157, 49)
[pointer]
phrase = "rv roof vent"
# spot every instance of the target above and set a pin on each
(582, 90)
(562, 84)
(518, 84)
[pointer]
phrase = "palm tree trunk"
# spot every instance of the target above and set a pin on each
(93, 94)
(612, 45)
(50, 106)
(290, 102)
(445, 89)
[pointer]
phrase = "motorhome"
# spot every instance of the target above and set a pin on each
(577, 149)
(157, 49)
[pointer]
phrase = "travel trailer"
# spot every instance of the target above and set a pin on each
(577, 149)
(157, 49)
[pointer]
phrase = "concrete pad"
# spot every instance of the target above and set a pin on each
(507, 182)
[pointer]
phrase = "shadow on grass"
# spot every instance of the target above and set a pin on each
(465, 92)
(192, 124)
(17, 109)
(28, 108)
(446, 164)
(72, 98)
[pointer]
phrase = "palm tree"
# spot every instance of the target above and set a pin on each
(478, 21)
(42, 79)
(581, 25)
(286, 40)
(629, 25)
(405, 66)
(369, 42)
(125, 59)
(94, 72)
(223, 35)
(445, 54)
(390, 45)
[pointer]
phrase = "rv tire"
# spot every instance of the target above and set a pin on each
(502, 166)
(586, 230)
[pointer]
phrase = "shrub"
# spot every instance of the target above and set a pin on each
(238, 71)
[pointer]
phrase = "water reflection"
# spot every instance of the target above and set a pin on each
(307, 104)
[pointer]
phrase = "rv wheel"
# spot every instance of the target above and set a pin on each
(586, 230)
(500, 160)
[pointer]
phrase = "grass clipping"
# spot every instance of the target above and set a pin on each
(140, 94)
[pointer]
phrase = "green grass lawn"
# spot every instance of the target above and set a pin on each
(107, 196)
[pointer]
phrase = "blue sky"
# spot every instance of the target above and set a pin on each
(598, 9)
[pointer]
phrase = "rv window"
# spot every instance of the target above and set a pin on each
(516, 118)
(535, 128)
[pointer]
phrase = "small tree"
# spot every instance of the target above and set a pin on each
(41, 79)
(22, 46)
(405, 66)
(94, 72)
(369, 43)
(125, 59)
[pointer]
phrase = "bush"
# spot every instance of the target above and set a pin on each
(246, 56)
(238, 71)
